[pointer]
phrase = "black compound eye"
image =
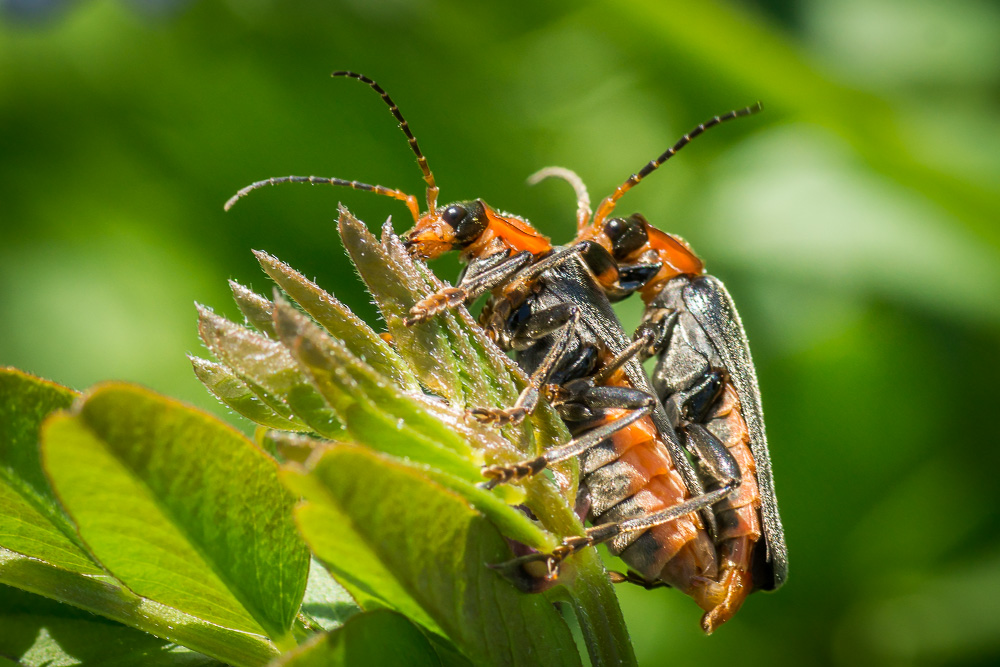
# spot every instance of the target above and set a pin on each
(626, 235)
(454, 214)
(615, 227)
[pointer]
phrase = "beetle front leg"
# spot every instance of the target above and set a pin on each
(579, 401)
(655, 330)
(447, 298)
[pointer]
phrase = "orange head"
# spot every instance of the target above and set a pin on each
(452, 227)
(473, 228)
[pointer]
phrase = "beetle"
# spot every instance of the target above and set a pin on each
(705, 376)
(669, 518)
(705, 379)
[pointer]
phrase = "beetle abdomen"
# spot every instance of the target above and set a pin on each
(689, 360)
(631, 475)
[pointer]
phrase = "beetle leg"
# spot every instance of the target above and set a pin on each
(539, 325)
(452, 297)
(688, 410)
(525, 577)
(503, 474)
(632, 577)
(713, 457)
(656, 329)
(619, 360)
(697, 401)
(589, 402)
(531, 273)
(528, 398)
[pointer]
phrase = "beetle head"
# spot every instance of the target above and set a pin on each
(452, 227)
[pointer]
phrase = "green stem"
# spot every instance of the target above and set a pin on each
(586, 585)
(596, 606)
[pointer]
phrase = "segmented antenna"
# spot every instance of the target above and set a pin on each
(432, 188)
(410, 200)
(607, 205)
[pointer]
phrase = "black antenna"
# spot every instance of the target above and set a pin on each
(607, 205)
(410, 200)
(432, 188)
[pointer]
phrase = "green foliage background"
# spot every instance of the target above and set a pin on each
(855, 222)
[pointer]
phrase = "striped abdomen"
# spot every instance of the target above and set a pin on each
(632, 475)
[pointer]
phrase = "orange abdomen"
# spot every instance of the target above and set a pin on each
(632, 475)
(738, 517)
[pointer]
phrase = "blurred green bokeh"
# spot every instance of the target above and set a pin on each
(855, 222)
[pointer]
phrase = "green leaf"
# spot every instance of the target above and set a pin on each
(396, 539)
(57, 641)
(234, 392)
(33, 527)
(255, 308)
(266, 363)
(41, 552)
(426, 347)
(512, 522)
(450, 351)
(376, 412)
(340, 322)
(180, 507)
(108, 597)
(373, 639)
(325, 601)
(43, 633)
(27, 504)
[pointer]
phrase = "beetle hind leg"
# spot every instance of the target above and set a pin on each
(503, 474)
(632, 577)
(521, 571)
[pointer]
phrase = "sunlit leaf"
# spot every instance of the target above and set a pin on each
(255, 308)
(375, 412)
(340, 322)
(25, 496)
(267, 363)
(179, 507)
(396, 539)
(41, 633)
(225, 385)
(426, 347)
(46, 556)
(445, 349)
(325, 601)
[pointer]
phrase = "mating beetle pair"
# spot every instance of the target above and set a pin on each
(676, 476)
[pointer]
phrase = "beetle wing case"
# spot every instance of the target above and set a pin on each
(573, 283)
(711, 305)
